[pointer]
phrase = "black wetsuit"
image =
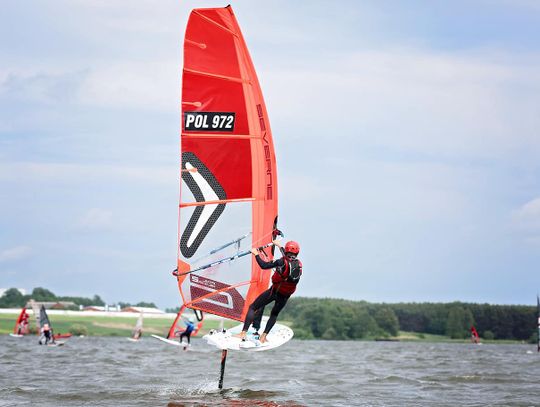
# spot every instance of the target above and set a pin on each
(48, 336)
(187, 333)
(255, 311)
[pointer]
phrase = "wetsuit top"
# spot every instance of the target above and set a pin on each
(46, 332)
(190, 326)
(279, 281)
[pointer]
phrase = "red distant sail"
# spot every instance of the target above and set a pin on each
(22, 324)
(475, 338)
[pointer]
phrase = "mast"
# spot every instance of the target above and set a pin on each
(538, 316)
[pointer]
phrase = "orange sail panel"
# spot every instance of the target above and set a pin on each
(228, 168)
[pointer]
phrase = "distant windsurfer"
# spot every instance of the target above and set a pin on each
(46, 335)
(475, 338)
(288, 270)
(137, 333)
(23, 324)
(186, 333)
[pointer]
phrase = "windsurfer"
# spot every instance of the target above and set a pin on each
(46, 335)
(288, 270)
(190, 326)
(137, 333)
(23, 325)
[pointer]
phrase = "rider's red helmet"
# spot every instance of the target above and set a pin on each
(292, 247)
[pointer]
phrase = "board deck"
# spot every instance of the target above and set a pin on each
(171, 342)
(57, 343)
(279, 335)
(15, 335)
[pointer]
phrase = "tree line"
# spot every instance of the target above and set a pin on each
(339, 319)
(13, 298)
(329, 318)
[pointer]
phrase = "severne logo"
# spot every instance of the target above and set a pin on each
(204, 187)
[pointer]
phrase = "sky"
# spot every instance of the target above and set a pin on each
(406, 133)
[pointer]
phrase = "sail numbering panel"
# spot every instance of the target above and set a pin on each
(228, 195)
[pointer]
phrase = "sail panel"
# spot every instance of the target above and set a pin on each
(224, 158)
(210, 44)
(43, 317)
(227, 154)
(214, 94)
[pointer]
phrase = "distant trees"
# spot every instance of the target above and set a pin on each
(42, 294)
(459, 322)
(387, 320)
(139, 304)
(342, 319)
(12, 298)
(146, 304)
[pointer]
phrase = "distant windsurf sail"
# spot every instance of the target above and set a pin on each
(137, 330)
(37, 313)
(21, 325)
(228, 169)
(475, 338)
(43, 317)
(179, 324)
(538, 315)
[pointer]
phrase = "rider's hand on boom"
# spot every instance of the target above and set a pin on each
(254, 251)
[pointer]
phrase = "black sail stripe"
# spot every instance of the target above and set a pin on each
(188, 157)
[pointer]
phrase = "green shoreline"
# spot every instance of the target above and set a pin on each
(122, 327)
(107, 325)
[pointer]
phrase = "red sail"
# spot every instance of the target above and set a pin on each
(21, 325)
(475, 338)
(228, 168)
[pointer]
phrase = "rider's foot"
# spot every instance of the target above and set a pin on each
(241, 335)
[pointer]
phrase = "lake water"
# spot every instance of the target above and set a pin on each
(96, 371)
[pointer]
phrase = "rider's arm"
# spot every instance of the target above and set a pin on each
(268, 264)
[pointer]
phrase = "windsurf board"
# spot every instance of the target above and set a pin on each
(225, 339)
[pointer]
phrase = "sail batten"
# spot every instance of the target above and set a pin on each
(232, 136)
(228, 169)
(213, 21)
(222, 201)
(223, 77)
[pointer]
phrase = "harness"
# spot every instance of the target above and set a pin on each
(291, 270)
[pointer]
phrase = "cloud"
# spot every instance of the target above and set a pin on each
(527, 217)
(15, 253)
(59, 172)
(147, 85)
(151, 86)
(450, 103)
(95, 219)
(40, 86)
